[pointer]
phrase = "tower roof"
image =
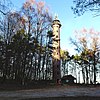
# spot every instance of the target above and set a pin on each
(56, 17)
(56, 21)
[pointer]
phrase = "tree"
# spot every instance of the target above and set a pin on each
(65, 58)
(24, 52)
(38, 21)
(81, 6)
(5, 6)
(87, 44)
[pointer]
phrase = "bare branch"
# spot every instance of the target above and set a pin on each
(81, 6)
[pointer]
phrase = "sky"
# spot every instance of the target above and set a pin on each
(69, 21)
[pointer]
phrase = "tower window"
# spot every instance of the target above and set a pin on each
(57, 47)
(56, 36)
(57, 41)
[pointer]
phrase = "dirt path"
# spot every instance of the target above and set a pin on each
(53, 92)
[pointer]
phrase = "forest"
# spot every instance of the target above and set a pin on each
(26, 46)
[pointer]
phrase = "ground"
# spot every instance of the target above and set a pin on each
(55, 93)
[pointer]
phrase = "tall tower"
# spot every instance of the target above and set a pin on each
(56, 50)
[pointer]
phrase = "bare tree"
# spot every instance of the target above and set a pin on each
(5, 6)
(87, 45)
(81, 6)
(24, 43)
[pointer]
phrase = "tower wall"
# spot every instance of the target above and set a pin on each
(56, 50)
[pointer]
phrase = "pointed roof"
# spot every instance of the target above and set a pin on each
(56, 21)
(56, 17)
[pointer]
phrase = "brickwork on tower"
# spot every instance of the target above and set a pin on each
(56, 51)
